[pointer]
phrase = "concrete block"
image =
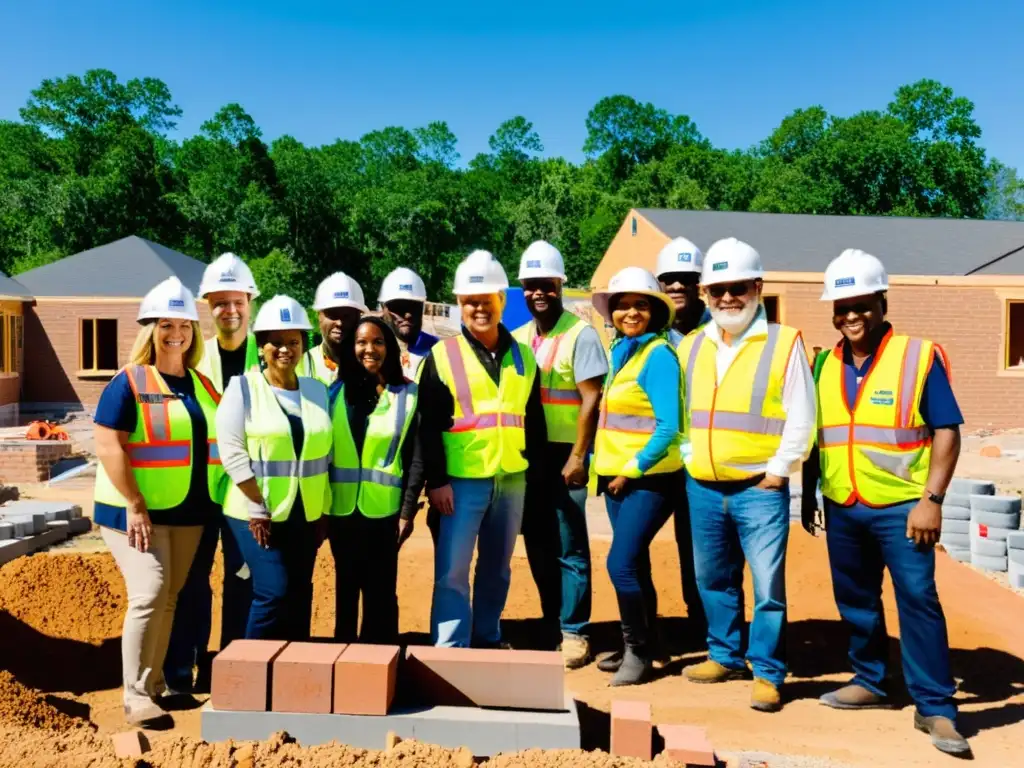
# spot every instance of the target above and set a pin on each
(1015, 572)
(1015, 539)
(364, 679)
(955, 526)
(13, 548)
(1004, 505)
(987, 563)
(33, 522)
(1015, 557)
(967, 486)
(989, 532)
(6, 531)
(958, 540)
(631, 729)
(241, 675)
(487, 678)
(130, 744)
(990, 547)
(960, 554)
(22, 527)
(955, 513)
(954, 499)
(484, 732)
(687, 744)
(1009, 522)
(303, 679)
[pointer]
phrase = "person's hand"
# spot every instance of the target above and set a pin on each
(924, 523)
(442, 499)
(574, 473)
(772, 483)
(810, 518)
(138, 526)
(618, 485)
(259, 527)
(405, 528)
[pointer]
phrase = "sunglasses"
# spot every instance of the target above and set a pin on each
(860, 308)
(685, 279)
(736, 290)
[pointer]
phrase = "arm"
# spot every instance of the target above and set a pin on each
(234, 453)
(436, 410)
(413, 476)
(661, 381)
(536, 428)
(801, 418)
(590, 366)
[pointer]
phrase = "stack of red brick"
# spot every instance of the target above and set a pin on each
(633, 736)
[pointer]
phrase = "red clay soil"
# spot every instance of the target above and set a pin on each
(60, 618)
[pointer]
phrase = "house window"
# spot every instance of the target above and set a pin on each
(4, 346)
(771, 308)
(97, 345)
(1015, 335)
(633, 226)
(17, 343)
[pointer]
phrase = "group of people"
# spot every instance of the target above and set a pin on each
(698, 411)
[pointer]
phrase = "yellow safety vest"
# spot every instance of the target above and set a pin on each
(372, 481)
(735, 426)
(160, 448)
(880, 453)
(268, 436)
(558, 393)
(627, 421)
(210, 365)
(316, 365)
(488, 435)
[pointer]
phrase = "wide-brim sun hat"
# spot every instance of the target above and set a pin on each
(632, 280)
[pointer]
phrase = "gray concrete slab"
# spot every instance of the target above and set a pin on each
(1004, 505)
(6, 531)
(955, 526)
(1015, 539)
(967, 486)
(959, 554)
(1016, 575)
(1006, 521)
(950, 512)
(485, 732)
(36, 520)
(1015, 557)
(988, 563)
(54, 510)
(13, 548)
(989, 547)
(992, 532)
(958, 540)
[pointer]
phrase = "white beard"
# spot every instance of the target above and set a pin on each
(735, 323)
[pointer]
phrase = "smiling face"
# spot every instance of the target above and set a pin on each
(857, 316)
(681, 287)
(172, 338)
(282, 350)
(230, 310)
(542, 295)
(336, 322)
(480, 313)
(371, 350)
(406, 318)
(632, 314)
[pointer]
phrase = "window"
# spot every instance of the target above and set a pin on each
(97, 345)
(771, 308)
(633, 226)
(4, 365)
(17, 343)
(1015, 335)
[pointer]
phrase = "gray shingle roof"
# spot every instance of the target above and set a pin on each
(12, 289)
(128, 268)
(807, 243)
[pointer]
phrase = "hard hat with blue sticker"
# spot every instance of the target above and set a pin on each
(286, 315)
(841, 282)
(405, 287)
(341, 294)
(718, 266)
(176, 304)
(533, 263)
(476, 278)
(228, 277)
(686, 257)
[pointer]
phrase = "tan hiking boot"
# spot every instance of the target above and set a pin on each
(945, 737)
(765, 697)
(854, 697)
(575, 651)
(712, 672)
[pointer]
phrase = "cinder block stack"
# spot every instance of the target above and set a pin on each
(956, 515)
(993, 518)
(1015, 558)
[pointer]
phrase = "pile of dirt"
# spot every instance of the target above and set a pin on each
(21, 706)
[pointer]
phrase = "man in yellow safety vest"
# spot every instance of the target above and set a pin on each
(572, 365)
(888, 443)
(749, 423)
(339, 304)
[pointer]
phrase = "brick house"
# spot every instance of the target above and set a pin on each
(958, 282)
(80, 323)
(13, 298)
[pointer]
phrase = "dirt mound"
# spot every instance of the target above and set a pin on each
(25, 707)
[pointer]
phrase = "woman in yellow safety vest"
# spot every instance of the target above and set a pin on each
(159, 481)
(276, 440)
(636, 452)
(375, 474)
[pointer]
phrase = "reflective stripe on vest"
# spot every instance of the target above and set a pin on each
(487, 436)
(879, 454)
(555, 356)
(281, 475)
(626, 420)
(735, 426)
(316, 365)
(211, 367)
(372, 481)
(160, 447)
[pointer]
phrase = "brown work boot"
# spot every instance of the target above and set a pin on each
(944, 735)
(854, 696)
(712, 672)
(765, 696)
(575, 651)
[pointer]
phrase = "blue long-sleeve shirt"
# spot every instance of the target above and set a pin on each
(660, 381)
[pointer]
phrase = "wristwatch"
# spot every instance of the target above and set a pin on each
(938, 498)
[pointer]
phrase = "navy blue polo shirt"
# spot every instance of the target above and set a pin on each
(117, 410)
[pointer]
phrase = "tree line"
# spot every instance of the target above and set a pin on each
(91, 161)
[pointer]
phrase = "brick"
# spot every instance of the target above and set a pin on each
(1002, 505)
(1015, 539)
(991, 451)
(631, 729)
(687, 744)
(130, 744)
(304, 677)
(487, 678)
(365, 678)
(241, 675)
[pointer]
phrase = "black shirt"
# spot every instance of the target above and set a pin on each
(232, 362)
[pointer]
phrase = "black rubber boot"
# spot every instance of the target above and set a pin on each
(611, 662)
(636, 668)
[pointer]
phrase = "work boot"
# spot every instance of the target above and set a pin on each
(943, 732)
(854, 696)
(635, 669)
(142, 712)
(765, 696)
(575, 651)
(610, 662)
(712, 672)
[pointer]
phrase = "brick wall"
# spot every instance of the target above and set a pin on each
(10, 384)
(25, 461)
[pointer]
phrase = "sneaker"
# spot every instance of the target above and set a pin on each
(944, 735)
(712, 672)
(633, 671)
(575, 651)
(765, 697)
(854, 697)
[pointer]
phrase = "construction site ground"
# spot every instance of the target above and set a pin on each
(61, 613)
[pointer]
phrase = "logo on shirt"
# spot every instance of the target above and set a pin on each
(405, 287)
(341, 294)
(533, 264)
(176, 304)
(476, 278)
(718, 266)
(685, 257)
(844, 281)
(883, 397)
(286, 315)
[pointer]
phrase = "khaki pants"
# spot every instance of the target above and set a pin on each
(153, 580)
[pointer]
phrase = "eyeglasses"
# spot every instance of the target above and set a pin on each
(860, 308)
(685, 279)
(736, 290)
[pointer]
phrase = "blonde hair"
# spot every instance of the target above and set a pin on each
(144, 352)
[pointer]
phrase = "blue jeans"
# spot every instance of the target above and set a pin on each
(733, 522)
(282, 577)
(684, 545)
(862, 542)
(636, 517)
(190, 634)
(490, 510)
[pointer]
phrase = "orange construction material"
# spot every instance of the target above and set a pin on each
(38, 430)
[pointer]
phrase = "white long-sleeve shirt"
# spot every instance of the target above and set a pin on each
(798, 398)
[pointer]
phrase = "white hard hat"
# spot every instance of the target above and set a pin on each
(632, 280)
(402, 283)
(541, 259)
(679, 255)
(854, 273)
(228, 273)
(282, 313)
(731, 261)
(169, 299)
(339, 290)
(479, 273)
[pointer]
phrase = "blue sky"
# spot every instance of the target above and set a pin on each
(326, 70)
